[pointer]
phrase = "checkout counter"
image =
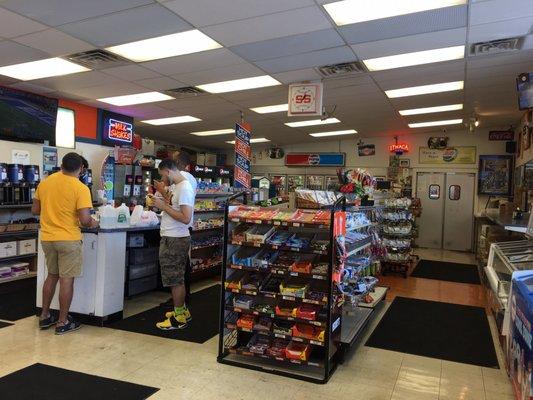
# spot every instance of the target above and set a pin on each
(99, 293)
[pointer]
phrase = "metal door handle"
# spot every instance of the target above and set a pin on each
(92, 244)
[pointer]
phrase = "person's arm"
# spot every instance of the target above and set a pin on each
(36, 207)
(184, 214)
(84, 215)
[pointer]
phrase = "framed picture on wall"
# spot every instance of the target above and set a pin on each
(405, 162)
(495, 175)
(526, 139)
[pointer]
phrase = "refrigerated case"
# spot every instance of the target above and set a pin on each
(314, 182)
(280, 183)
(295, 182)
(331, 182)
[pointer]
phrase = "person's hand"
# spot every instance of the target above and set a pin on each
(160, 187)
(158, 202)
(94, 224)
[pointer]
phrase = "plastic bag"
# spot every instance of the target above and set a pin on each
(149, 218)
(136, 215)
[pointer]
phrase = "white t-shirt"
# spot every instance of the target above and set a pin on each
(182, 195)
(192, 180)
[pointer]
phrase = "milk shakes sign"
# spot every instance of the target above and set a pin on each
(120, 131)
(243, 156)
(305, 99)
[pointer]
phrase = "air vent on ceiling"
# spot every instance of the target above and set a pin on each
(496, 46)
(186, 91)
(97, 59)
(334, 70)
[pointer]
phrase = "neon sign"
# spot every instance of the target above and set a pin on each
(399, 147)
(120, 131)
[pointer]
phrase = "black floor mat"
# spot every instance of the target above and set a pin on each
(4, 324)
(439, 330)
(17, 299)
(44, 382)
(447, 271)
(204, 307)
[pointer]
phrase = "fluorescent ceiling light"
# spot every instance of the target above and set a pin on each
(171, 120)
(214, 133)
(426, 89)
(428, 110)
(415, 58)
(436, 123)
(254, 140)
(333, 133)
(353, 11)
(41, 69)
(239, 84)
(312, 122)
(172, 45)
(271, 109)
(139, 98)
(65, 128)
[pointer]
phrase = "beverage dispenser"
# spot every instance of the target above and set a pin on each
(31, 178)
(15, 175)
(3, 183)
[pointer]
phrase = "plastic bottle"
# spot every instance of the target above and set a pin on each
(108, 217)
(123, 216)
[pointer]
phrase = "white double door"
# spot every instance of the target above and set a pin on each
(447, 210)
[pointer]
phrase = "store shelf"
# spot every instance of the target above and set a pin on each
(360, 245)
(207, 195)
(215, 228)
(32, 274)
(14, 206)
(276, 335)
(205, 267)
(247, 353)
(32, 232)
(353, 324)
(22, 257)
(278, 296)
(279, 271)
(214, 210)
(359, 227)
(379, 294)
(280, 223)
(276, 317)
(277, 247)
(207, 246)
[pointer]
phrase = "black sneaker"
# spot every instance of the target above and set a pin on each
(47, 322)
(70, 326)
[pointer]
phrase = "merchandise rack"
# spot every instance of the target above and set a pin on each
(322, 358)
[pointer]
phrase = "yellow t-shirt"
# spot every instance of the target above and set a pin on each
(61, 197)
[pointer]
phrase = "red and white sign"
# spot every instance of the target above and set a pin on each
(305, 99)
(403, 147)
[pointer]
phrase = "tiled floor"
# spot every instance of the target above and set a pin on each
(189, 371)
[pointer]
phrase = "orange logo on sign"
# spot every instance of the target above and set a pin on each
(120, 131)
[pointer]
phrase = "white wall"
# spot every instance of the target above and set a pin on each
(378, 164)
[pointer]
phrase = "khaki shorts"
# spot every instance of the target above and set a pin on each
(64, 258)
(173, 258)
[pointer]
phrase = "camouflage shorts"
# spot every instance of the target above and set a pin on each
(173, 258)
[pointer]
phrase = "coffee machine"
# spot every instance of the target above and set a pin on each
(31, 178)
(12, 188)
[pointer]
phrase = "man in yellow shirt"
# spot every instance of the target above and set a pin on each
(62, 202)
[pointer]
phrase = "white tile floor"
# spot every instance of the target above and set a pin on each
(189, 371)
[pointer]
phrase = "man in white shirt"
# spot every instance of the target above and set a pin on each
(177, 210)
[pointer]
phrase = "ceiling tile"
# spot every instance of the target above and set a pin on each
(513, 57)
(131, 72)
(31, 87)
(405, 25)
(77, 81)
(300, 75)
(289, 45)
(202, 61)
(409, 44)
(499, 10)
(208, 12)
(12, 24)
(270, 26)
(14, 53)
(238, 71)
(115, 89)
(308, 60)
(58, 12)
(421, 73)
(161, 83)
(54, 42)
(499, 30)
(102, 31)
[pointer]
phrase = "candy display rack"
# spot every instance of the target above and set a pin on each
(280, 302)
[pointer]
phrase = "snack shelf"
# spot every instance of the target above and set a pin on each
(276, 335)
(31, 274)
(379, 294)
(278, 296)
(360, 227)
(31, 232)
(239, 310)
(277, 247)
(280, 223)
(279, 271)
(214, 228)
(248, 353)
(207, 246)
(360, 245)
(214, 210)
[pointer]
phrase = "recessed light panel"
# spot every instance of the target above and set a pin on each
(415, 58)
(214, 133)
(138, 98)
(352, 11)
(425, 89)
(239, 84)
(429, 110)
(311, 122)
(171, 120)
(254, 140)
(436, 123)
(172, 45)
(271, 109)
(42, 69)
(334, 133)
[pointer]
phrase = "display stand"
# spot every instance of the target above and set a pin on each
(280, 306)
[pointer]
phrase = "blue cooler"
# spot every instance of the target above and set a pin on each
(520, 351)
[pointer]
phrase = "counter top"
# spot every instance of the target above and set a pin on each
(125, 229)
(507, 221)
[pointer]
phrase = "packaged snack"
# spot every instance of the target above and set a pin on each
(246, 321)
(297, 351)
(308, 332)
(263, 324)
(234, 281)
(259, 233)
(243, 302)
(307, 312)
(285, 311)
(271, 285)
(258, 344)
(283, 327)
(293, 288)
(279, 238)
(277, 348)
(300, 241)
(264, 308)
(304, 264)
